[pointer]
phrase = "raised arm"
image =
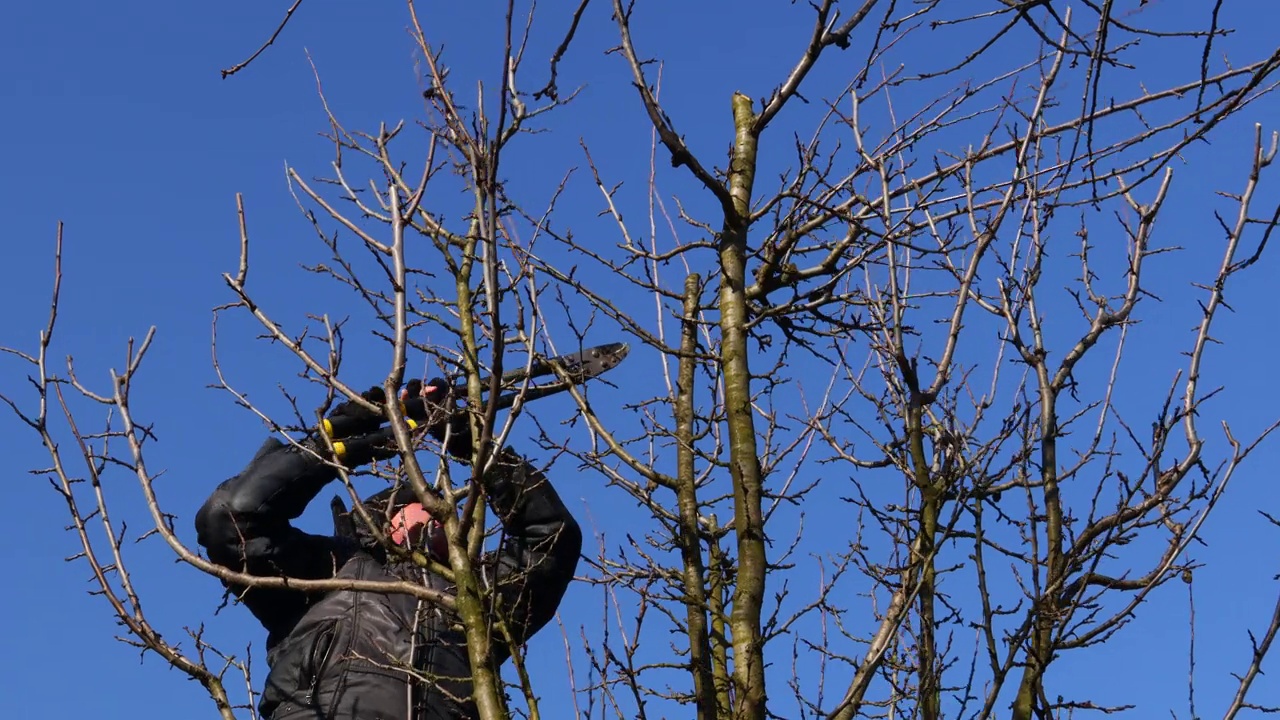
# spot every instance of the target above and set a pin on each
(540, 550)
(245, 525)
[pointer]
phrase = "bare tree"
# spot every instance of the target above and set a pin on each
(892, 466)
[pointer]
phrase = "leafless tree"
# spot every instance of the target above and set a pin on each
(884, 461)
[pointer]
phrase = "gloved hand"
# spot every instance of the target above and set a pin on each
(434, 405)
(359, 437)
(350, 419)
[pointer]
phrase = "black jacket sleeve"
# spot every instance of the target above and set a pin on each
(540, 550)
(244, 526)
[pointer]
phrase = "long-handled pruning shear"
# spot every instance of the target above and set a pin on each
(568, 370)
(572, 369)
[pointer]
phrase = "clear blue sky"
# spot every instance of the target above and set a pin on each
(117, 123)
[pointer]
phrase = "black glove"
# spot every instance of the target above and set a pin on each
(351, 419)
(434, 405)
(357, 433)
(377, 445)
(359, 437)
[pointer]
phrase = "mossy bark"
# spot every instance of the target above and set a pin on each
(744, 462)
(695, 596)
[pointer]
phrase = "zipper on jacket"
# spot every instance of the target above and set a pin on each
(318, 663)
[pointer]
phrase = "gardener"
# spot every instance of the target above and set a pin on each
(345, 654)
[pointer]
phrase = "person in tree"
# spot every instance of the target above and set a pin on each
(348, 655)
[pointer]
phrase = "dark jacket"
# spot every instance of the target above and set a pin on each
(344, 655)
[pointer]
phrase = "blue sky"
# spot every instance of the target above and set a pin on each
(117, 123)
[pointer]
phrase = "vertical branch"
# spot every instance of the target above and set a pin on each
(399, 344)
(695, 598)
(1039, 651)
(931, 494)
(744, 461)
(716, 582)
